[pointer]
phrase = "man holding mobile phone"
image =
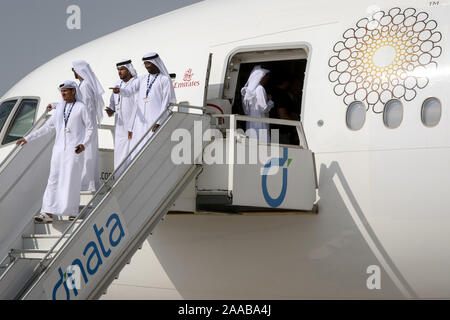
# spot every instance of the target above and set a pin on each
(154, 92)
(124, 109)
(73, 128)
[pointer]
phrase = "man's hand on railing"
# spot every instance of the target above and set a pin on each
(21, 142)
(49, 107)
(155, 127)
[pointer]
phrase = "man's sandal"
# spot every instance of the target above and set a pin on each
(43, 217)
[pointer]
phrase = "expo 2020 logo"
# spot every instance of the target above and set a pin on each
(385, 56)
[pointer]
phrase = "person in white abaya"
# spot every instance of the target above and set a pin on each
(123, 108)
(256, 103)
(92, 92)
(154, 93)
(74, 130)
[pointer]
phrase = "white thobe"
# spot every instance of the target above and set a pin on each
(90, 177)
(147, 112)
(259, 107)
(125, 109)
(62, 195)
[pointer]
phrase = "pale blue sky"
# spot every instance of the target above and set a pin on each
(33, 32)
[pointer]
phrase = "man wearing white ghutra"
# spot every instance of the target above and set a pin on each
(124, 109)
(74, 129)
(154, 94)
(92, 92)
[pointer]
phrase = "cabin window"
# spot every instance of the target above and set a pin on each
(356, 115)
(23, 120)
(431, 112)
(393, 114)
(5, 109)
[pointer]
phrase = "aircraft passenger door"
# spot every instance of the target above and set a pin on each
(191, 79)
(208, 72)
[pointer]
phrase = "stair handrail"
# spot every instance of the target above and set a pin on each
(293, 123)
(47, 259)
(17, 148)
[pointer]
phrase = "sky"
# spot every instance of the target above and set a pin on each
(34, 32)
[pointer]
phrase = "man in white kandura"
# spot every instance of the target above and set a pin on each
(124, 108)
(92, 92)
(256, 103)
(74, 130)
(154, 94)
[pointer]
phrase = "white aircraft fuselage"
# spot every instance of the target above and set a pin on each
(383, 226)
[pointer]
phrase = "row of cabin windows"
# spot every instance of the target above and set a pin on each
(22, 120)
(393, 113)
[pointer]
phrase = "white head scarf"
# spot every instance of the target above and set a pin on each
(248, 91)
(84, 70)
(69, 84)
(127, 64)
(154, 58)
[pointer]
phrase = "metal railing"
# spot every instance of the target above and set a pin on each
(101, 194)
(9, 158)
(297, 124)
(17, 148)
(123, 167)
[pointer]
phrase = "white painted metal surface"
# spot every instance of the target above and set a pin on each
(259, 175)
(125, 215)
(23, 176)
(382, 191)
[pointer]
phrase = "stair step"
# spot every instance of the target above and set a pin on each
(42, 241)
(85, 197)
(56, 228)
(29, 254)
(106, 126)
(43, 236)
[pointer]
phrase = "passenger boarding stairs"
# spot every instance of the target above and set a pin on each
(79, 259)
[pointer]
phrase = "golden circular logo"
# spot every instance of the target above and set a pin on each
(385, 56)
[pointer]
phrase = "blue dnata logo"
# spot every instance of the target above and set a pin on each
(95, 251)
(279, 162)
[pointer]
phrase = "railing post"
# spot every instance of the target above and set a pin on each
(297, 124)
(301, 132)
(231, 139)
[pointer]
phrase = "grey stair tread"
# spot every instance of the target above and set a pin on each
(84, 200)
(56, 228)
(43, 236)
(40, 257)
(43, 242)
(29, 251)
(106, 126)
(60, 220)
(30, 254)
(87, 192)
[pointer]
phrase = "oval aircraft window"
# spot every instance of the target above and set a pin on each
(356, 115)
(431, 112)
(393, 114)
